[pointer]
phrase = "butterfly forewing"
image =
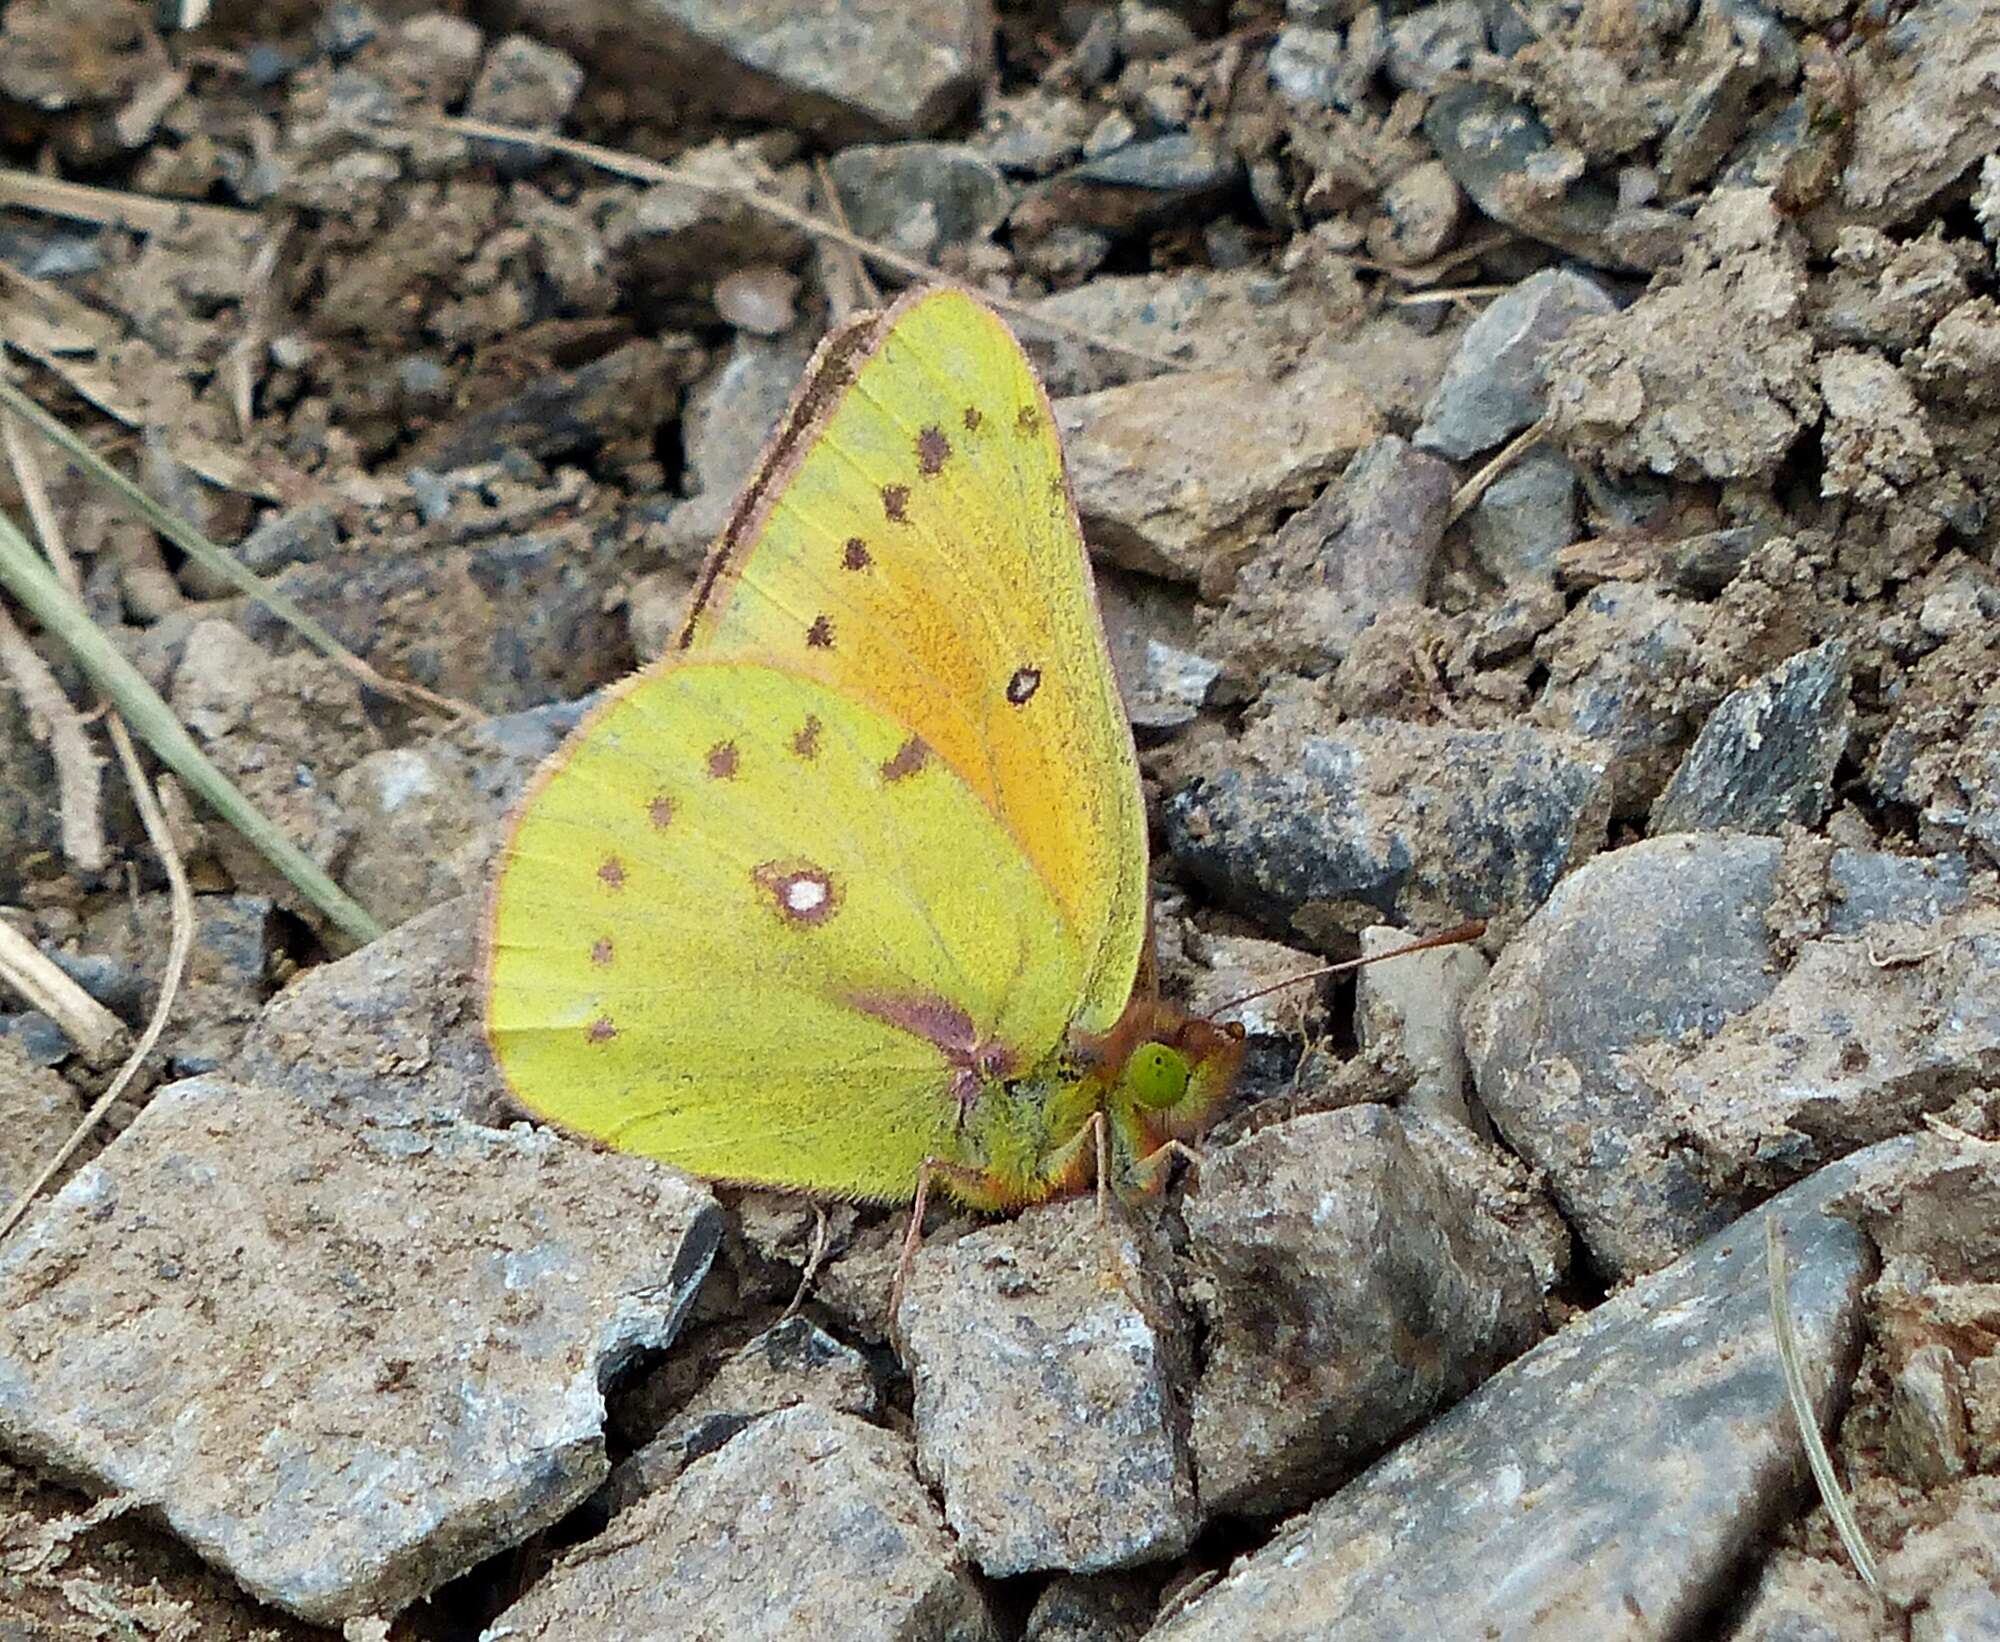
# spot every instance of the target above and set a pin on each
(911, 543)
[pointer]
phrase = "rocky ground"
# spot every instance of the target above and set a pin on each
(1538, 460)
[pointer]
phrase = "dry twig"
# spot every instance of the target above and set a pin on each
(640, 169)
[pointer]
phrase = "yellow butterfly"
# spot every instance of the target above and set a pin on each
(848, 891)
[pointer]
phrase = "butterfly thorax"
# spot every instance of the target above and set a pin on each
(1159, 1077)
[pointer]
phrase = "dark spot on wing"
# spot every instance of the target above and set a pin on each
(855, 556)
(722, 760)
(910, 758)
(820, 634)
(933, 451)
(896, 503)
(1023, 685)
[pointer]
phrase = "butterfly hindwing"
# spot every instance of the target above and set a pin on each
(753, 926)
(910, 541)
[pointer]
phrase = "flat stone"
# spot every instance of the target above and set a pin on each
(874, 68)
(1507, 1518)
(390, 1035)
(1496, 384)
(1132, 186)
(1656, 942)
(1765, 757)
(345, 1364)
(1367, 542)
(1218, 319)
(1350, 1285)
(1047, 1373)
(1322, 832)
(807, 1524)
(1174, 474)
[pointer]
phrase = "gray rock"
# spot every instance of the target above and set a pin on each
(1712, 115)
(389, 1036)
(808, 1524)
(1033, 133)
(682, 236)
(1313, 66)
(793, 1362)
(1134, 186)
(1858, 1040)
(422, 824)
(1419, 216)
(37, 1111)
(1103, 1608)
(1526, 517)
(296, 536)
(1321, 834)
(344, 1364)
(1172, 688)
(1766, 756)
(1046, 1367)
(1216, 319)
(733, 411)
(525, 83)
(1432, 42)
(1704, 565)
(1367, 542)
(1173, 474)
(1870, 887)
(1409, 1008)
(1350, 1285)
(1609, 1483)
(229, 973)
(1496, 383)
(1656, 943)
(874, 68)
(1710, 374)
(920, 197)
(1501, 155)
(1624, 673)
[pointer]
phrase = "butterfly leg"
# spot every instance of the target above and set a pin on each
(821, 1230)
(932, 1166)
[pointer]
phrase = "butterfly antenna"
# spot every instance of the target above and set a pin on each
(1451, 937)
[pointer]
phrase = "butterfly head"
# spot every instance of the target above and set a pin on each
(1175, 1081)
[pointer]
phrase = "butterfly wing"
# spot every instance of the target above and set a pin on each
(910, 542)
(749, 925)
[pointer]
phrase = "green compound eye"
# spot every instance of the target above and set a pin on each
(1156, 1075)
